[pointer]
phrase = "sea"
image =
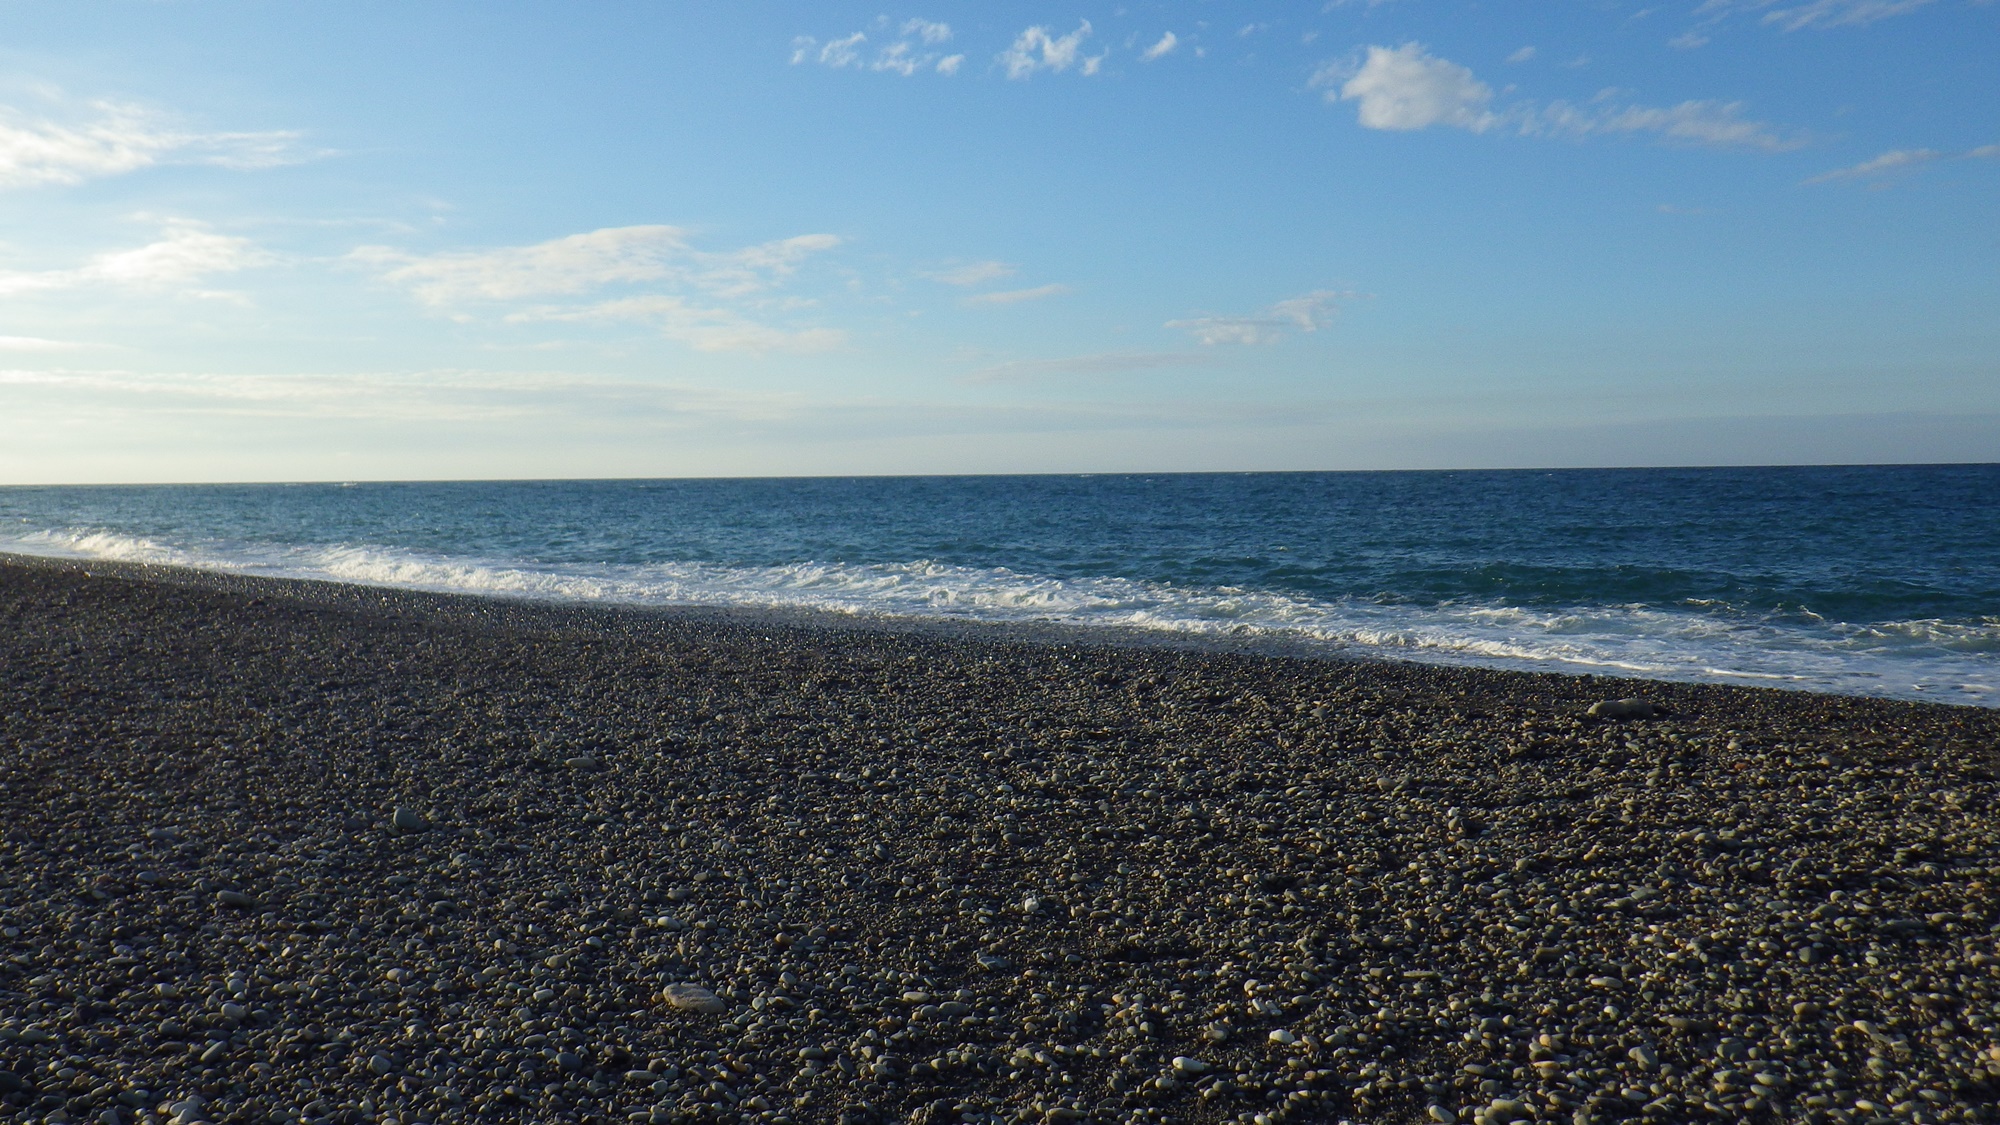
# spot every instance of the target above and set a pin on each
(1875, 580)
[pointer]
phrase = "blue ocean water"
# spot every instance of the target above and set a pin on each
(1862, 580)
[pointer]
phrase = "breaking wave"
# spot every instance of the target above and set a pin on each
(1694, 639)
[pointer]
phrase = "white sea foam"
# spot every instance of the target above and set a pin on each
(1923, 659)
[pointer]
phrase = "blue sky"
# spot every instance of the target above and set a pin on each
(288, 240)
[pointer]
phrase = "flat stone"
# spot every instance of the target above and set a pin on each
(406, 819)
(1626, 710)
(235, 898)
(692, 998)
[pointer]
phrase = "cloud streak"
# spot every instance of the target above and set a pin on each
(116, 138)
(1813, 14)
(580, 263)
(1308, 312)
(185, 253)
(1017, 296)
(972, 273)
(420, 397)
(702, 328)
(1102, 363)
(1902, 159)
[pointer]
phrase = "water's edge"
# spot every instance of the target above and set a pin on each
(320, 591)
(1881, 582)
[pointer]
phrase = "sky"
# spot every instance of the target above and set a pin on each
(319, 240)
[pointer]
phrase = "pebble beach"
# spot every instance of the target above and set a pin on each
(300, 852)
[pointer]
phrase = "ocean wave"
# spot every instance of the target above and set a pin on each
(1928, 659)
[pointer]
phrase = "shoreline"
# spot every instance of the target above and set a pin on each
(1054, 633)
(972, 875)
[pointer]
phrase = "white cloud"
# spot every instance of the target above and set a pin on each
(1035, 49)
(1902, 158)
(185, 253)
(1306, 313)
(1016, 296)
(973, 273)
(1103, 363)
(842, 52)
(906, 55)
(701, 328)
(1813, 13)
(1688, 41)
(1405, 88)
(1161, 49)
(899, 58)
(1522, 55)
(579, 263)
(573, 264)
(116, 138)
(649, 257)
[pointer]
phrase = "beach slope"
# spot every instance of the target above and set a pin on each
(291, 851)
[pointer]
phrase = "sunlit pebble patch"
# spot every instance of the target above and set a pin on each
(676, 867)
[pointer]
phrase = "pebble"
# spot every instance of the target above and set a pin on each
(1460, 895)
(405, 819)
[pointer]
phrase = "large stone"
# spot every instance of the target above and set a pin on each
(692, 998)
(406, 819)
(1626, 710)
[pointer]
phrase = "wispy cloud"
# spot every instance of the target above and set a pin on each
(658, 259)
(1016, 296)
(906, 51)
(38, 344)
(701, 328)
(1525, 54)
(972, 273)
(1712, 123)
(1036, 49)
(1406, 89)
(1813, 13)
(1162, 48)
(581, 263)
(186, 252)
(426, 397)
(113, 138)
(1102, 363)
(1306, 313)
(1901, 159)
